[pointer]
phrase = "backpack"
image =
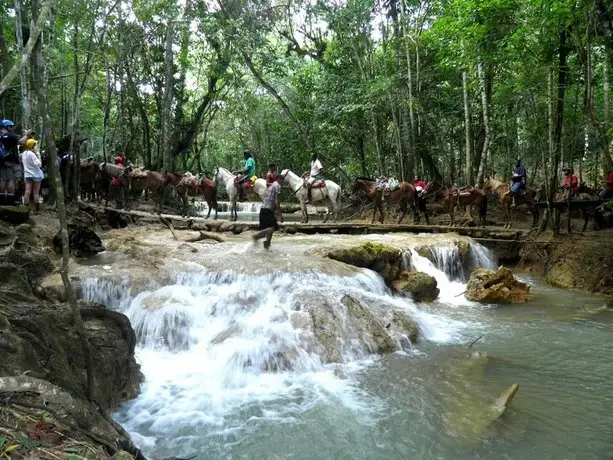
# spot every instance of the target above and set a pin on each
(3, 152)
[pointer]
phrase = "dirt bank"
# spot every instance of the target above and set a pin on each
(576, 261)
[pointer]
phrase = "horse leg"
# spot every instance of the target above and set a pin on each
(403, 208)
(586, 218)
(374, 211)
(304, 211)
(451, 216)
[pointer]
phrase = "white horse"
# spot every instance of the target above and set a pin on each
(330, 194)
(225, 177)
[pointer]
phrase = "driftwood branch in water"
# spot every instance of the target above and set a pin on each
(206, 236)
(168, 224)
(474, 341)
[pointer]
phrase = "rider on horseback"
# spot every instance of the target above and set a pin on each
(519, 180)
(316, 173)
(245, 174)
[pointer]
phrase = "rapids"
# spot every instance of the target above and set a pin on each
(233, 370)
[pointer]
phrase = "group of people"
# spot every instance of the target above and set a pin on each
(570, 184)
(20, 160)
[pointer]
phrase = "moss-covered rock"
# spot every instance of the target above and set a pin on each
(496, 286)
(14, 214)
(383, 259)
(419, 285)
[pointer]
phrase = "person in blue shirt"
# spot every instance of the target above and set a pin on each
(245, 174)
(519, 180)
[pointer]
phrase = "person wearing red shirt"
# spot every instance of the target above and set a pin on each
(607, 191)
(571, 183)
(417, 182)
(271, 175)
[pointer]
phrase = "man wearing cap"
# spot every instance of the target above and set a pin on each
(245, 174)
(10, 169)
(518, 180)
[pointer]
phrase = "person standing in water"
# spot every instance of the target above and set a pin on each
(269, 212)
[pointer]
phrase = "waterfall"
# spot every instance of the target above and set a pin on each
(224, 206)
(224, 350)
(457, 261)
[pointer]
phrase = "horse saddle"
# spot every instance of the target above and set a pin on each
(247, 184)
(320, 183)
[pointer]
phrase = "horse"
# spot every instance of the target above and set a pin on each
(583, 194)
(89, 168)
(191, 185)
(452, 197)
(330, 194)
(226, 178)
(109, 171)
(405, 194)
(503, 193)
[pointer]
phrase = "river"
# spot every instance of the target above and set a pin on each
(232, 372)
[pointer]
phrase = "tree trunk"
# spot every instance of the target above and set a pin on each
(486, 123)
(25, 100)
(607, 161)
(34, 33)
(470, 173)
(61, 212)
(167, 103)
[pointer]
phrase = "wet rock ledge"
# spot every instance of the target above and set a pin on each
(44, 412)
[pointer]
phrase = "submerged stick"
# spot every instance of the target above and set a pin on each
(474, 341)
(170, 227)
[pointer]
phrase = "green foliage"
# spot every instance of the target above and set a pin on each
(342, 72)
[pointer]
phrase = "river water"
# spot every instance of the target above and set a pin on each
(232, 372)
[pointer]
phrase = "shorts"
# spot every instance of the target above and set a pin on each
(33, 180)
(268, 219)
(10, 171)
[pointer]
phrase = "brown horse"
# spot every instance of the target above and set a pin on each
(192, 186)
(503, 193)
(89, 169)
(452, 197)
(121, 192)
(404, 194)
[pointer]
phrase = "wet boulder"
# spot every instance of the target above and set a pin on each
(420, 286)
(383, 259)
(337, 329)
(81, 240)
(496, 286)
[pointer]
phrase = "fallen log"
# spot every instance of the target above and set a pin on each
(205, 236)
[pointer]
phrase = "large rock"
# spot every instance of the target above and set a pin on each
(420, 286)
(496, 286)
(81, 240)
(381, 258)
(350, 328)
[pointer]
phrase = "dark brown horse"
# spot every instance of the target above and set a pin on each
(502, 191)
(192, 186)
(89, 169)
(452, 197)
(155, 183)
(404, 195)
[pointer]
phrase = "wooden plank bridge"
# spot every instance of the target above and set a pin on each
(318, 227)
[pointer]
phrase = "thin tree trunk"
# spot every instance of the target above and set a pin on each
(486, 122)
(61, 212)
(167, 104)
(34, 33)
(607, 161)
(470, 173)
(25, 100)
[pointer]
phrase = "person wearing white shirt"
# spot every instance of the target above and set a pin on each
(32, 173)
(316, 173)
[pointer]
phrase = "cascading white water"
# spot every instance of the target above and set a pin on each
(451, 261)
(224, 206)
(220, 350)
